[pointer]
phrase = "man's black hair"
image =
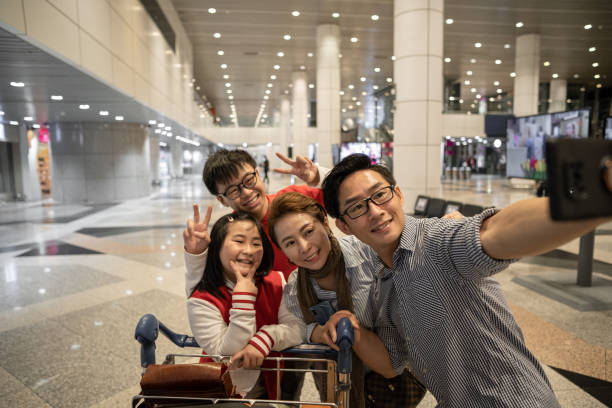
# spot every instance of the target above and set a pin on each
(213, 277)
(341, 171)
(224, 165)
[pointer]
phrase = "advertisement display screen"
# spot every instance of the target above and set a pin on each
(525, 138)
(571, 125)
(373, 150)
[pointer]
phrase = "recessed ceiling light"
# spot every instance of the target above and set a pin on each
(491, 99)
(576, 76)
(229, 91)
(225, 76)
(160, 125)
(389, 80)
(477, 45)
(103, 113)
(598, 86)
(228, 84)
(588, 27)
(339, 55)
(592, 49)
(273, 77)
(223, 66)
(362, 79)
(341, 93)
(168, 128)
(555, 75)
(57, 97)
(363, 93)
(84, 107)
(309, 55)
(351, 86)
(469, 72)
(295, 13)
(546, 63)
(376, 69)
(466, 82)
(231, 97)
(302, 67)
(447, 59)
(375, 17)
(473, 90)
(220, 52)
(286, 37)
(473, 60)
(393, 58)
(36, 126)
(280, 54)
(350, 106)
(596, 76)
(519, 24)
(335, 15)
(118, 117)
(498, 61)
(1, 113)
(266, 97)
(507, 46)
(276, 67)
(212, 10)
(478, 96)
(152, 122)
(217, 35)
(354, 39)
(17, 84)
(513, 74)
(354, 98)
(499, 90)
(28, 118)
(311, 86)
(496, 83)
(269, 85)
(13, 122)
(595, 64)
(358, 103)
(375, 87)
(449, 21)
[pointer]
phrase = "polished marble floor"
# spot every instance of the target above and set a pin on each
(78, 277)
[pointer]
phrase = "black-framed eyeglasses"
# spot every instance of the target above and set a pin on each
(361, 207)
(248, 181)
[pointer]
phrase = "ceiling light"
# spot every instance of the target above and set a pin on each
(227, 84)
(473, 90)
(351, 86)
(309, 55)
(17, 84)
(286, 37)
(225, 76)
(335, 15)
(103, 113)
(377, 69)
(276, 67)
(57, 97)
(36, 126)
(389, 80)
(588, 27)
(595, 64)
(266, 97)
(362, 79)
(546, 63)
(272, 77)
(393, 58)
(28, 118)
(499, 90)
(477, 45)
(375, 17)
(268, 92)
(498, 61)
(152, 122)
(513, 74)
(212, 10)
(449, 21)
(311, 86)
(295, 13)
(596, 76)
(358, 103)
(350, 106)
(592, 49)
(506, 46)
(466, 82)
(13, 122)
(341, 92)
(223, 66)
(118, 117)
(576, 76)
(447, 59)
(217, 35)
(473, 60)
(598, 86)
(84, 107)
(478, 96)
(363, 93)
(343, 110)
(555, 75)
(302, 67)
(354, 39)
(469, 73)
(269, 85)
(280, 54)
(354, 98)
(496, 83)
(1, 113)
(231, 97)
(229, 91)
(375, 87)
(160, 125)
(491, 99)
(339, 55)
(168, 128)
(220, 52)
(519, 24)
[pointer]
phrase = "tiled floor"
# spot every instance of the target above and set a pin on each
(77, 278)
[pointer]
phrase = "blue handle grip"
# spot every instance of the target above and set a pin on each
(345, 340)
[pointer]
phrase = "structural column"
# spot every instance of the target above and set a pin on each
(328, 91)
(285, 124)
(300, 114)
(527, 80)
(558, 95)
(418, 47)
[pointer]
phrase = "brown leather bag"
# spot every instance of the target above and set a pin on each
(205, 380)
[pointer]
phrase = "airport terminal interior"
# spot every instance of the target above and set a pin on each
(110, 108)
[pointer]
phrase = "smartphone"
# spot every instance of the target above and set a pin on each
(575, 170)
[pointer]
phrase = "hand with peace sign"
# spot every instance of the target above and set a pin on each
(196, 237)
(244, 281)
(301, 167)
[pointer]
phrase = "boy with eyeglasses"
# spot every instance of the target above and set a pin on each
(433, 282)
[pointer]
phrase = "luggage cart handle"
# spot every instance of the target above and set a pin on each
(345, 340)
(147, 331)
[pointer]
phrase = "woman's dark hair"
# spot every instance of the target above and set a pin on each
(289, 203)
(346, 167)
(213, 274)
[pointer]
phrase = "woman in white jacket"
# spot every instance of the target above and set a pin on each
(236, 308)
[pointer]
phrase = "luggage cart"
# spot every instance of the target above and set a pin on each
(337, 374)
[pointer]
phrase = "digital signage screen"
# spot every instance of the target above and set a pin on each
(374, 150)
(571, 125)
(525, 138)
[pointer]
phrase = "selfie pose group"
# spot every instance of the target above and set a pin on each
(420, 293)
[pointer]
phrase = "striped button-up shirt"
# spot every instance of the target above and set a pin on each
(458, 334)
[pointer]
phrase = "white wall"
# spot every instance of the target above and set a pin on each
(462, 125)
